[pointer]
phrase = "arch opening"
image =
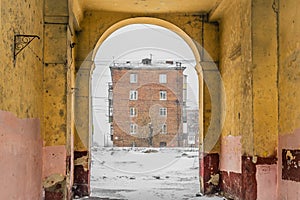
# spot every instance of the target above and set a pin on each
(123, 48)
(153, 53)
(208, 72)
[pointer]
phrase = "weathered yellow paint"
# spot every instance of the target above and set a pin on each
(150, 6)
(55, 99)
(262, 98)
(289, 71)
(52, 180)
(84, 161)
(249, 71)
(55, 73)
(236, 69)
(265, 104)
(154, 21)
(58, 82)
(212, 107)
(21, 80)
(78, 144)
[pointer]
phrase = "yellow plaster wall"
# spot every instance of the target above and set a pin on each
(55, 104)
(265, 98)
(96, 23)
(21, 81)
(236, 70)
(249, 71)
(55, 72)
(212, 86)
(58, 94)
(21, 96)
(289, 94)
(212, 107)
(82, 110)
(70, 87)
(289, 71)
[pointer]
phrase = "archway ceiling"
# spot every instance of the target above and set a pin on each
(150, 6)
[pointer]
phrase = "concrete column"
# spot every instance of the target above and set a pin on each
(213, 118)
(57, 142)
(83, 127)
(289, 96)
(212, 90)
(265, 103)
(249, 68)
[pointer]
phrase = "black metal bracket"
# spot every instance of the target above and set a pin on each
(22, 41)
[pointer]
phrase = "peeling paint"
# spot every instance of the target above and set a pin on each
(289, 155)
(290, 162)
(52, 180)
(209, 168)
(288, 178)
(214, 179)
(81, 185)
(57, 191)
(82, 161)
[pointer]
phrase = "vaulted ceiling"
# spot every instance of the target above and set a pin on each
(150, 6)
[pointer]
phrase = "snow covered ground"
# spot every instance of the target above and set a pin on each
(145, 174)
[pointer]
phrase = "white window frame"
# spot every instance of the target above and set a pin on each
(162, 95)
(164, 129)
(132, 112)
(133, 78)
(133, 128)
(162, 78)
(163, 112)
(133, 95)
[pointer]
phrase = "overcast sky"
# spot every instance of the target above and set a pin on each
(133, 43)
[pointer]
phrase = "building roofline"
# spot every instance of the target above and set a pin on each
(148, 67)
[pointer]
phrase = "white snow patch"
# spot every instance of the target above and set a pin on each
(130, 173)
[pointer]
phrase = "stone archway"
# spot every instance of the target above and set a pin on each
(87, 48)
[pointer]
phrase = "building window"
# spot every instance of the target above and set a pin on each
(163, 111)
(132, 112)
(133, 95)
(163, 78)
(133, 128)
(133, 78)
(162, 95)
(164, 129)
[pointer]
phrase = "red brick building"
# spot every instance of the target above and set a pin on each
(147, 104)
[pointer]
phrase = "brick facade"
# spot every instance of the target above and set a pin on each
(147, 106)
